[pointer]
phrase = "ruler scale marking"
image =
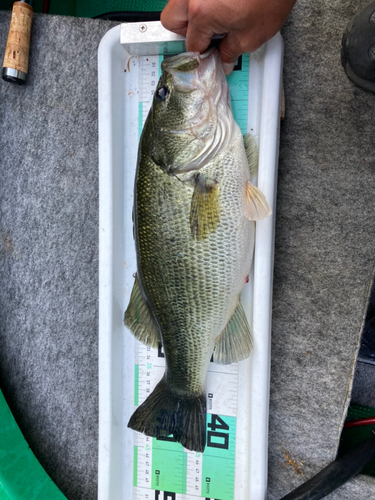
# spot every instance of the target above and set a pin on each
(197, 476)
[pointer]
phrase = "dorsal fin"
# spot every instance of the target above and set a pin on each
(251, 154)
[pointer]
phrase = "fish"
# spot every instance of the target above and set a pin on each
(194, 217)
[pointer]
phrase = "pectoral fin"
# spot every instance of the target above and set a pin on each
(205, 208)
(139, 320)
(235, 342)
(251, 154)
(257, 207)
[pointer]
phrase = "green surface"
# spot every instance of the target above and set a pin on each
(21, 475)
(37, 5)
(135, 468)
(352, 436)
(91, 8)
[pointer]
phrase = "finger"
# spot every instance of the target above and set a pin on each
(200, 26)
(228, 68)
(198, 38)
(174, 17)
(230, 51)
(239, 42)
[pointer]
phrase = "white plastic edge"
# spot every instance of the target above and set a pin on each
(263, 265)
(105, 269)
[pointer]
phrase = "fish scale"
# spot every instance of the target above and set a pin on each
(199, 291)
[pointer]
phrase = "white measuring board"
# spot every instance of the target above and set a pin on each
(131, 465)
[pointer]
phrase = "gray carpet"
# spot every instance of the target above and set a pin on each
(49, 248)
(324, 247)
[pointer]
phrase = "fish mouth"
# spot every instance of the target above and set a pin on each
(213, 125)
(192, 71)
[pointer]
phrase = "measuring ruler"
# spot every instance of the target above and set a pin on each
(162, 468)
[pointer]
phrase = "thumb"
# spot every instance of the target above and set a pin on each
(174, 16)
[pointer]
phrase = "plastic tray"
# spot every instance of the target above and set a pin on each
(118, 139)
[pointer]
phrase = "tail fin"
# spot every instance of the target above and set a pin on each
(165, 413)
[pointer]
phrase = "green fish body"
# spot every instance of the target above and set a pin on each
(194, 214)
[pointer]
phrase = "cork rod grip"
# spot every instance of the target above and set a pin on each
(18, 44)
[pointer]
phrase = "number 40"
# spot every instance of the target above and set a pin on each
(218, 439)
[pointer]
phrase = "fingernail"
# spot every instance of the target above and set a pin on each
(228, 67)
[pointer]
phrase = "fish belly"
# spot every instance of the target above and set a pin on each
(192, 286)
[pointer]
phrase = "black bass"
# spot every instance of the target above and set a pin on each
(194, 213)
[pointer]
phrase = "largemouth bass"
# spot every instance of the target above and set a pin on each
(194, 213)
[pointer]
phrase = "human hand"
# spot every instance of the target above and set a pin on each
(248, 24)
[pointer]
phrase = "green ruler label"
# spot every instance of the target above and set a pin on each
(167, 456)
(219, 458)
(163, 469)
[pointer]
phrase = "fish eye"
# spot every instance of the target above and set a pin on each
(161, 93)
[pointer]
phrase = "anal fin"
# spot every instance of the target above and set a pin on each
(139, 320)
(235, 342)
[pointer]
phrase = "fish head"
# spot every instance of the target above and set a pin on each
(191, 119)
